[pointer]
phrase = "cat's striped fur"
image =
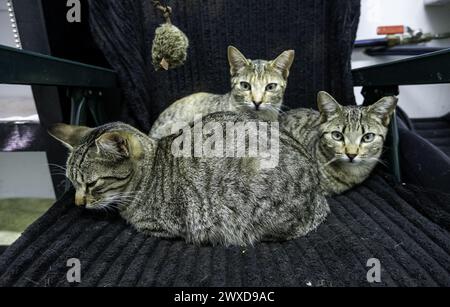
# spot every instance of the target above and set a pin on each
(257, 86)
(229, 201)
(346, 141)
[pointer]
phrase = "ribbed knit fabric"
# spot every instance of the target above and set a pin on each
(435, 130)
(320, 31)
(405, 227)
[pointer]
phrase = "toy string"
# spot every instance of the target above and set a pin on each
(164, 9)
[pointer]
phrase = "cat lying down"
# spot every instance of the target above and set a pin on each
(346, 141)
(202, 196)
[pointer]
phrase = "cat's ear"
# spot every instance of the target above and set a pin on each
(236, 60)
(328, 106)
(70, 136)
(118, 145)
(384, 108)
(284, 62)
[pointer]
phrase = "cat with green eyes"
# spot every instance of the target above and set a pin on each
(217, 200)
(257, 86)
(346, 141)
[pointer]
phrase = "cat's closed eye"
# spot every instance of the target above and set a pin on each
(91, 184)
(96, 185)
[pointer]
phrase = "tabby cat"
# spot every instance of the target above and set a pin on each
(346, 141)
(228, 200)
(256, 85)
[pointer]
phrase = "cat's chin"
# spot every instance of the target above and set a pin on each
(358, 166)
(354, 163)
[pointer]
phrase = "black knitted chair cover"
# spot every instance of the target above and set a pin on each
(405, 227)
(320, 31)
(435, 130)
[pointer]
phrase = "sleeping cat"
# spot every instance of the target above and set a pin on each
(346, 141)
(222, 200)
(256, 85)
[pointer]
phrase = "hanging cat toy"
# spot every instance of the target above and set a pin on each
(169, 49)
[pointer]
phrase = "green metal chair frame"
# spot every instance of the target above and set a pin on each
(84, 83)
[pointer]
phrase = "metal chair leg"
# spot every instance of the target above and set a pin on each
(78, 110)
(82, 101)
(394, 150)
(96, 108)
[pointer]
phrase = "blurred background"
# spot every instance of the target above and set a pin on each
(430, 16)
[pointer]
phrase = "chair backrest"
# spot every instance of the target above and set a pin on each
(320, 31)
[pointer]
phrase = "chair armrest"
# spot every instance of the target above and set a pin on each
(25, 67)
(384, 79)
(430, 68)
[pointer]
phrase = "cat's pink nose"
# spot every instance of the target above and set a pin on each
(351, 156)
(257, 104)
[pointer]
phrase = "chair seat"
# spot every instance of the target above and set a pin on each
(405, 227)
(435, 130)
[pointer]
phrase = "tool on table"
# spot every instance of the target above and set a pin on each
(399, 35)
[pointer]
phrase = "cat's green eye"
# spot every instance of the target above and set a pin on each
(246, 86)
(368, 137)
(271, 87)
(337, 136)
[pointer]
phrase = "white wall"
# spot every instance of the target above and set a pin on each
(16, 101)
(25, 174)
(6, 35)
(417, 101)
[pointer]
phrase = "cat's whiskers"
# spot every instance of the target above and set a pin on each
(57, 170)
(384, 163)
(276, 109)
(115, 201)
(128, 196)
(330, 161)
(57, 166)
(57, 174)
(244, 105)
(121, 199)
